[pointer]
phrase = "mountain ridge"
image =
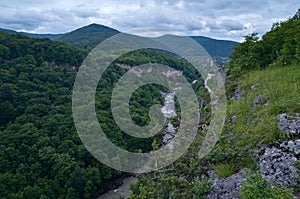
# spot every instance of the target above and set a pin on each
(88, 37)
(32, 35)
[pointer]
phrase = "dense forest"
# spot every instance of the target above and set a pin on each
(87, 37)
(41, 153)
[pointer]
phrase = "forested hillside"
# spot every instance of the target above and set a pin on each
(41, 154)
(216, 48)
(13, 47)
(87, 37)
(90, 36)
(32, 35)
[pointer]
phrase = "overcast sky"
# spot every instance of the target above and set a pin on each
(221, 19)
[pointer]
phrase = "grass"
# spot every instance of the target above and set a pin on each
(258, 187)
(224, 170)
(256, 125)
(297, 189)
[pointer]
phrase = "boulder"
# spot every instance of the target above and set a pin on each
(238, 94)
(260, 99)
(254, 86)
(277, 165)
(228, 188)
(291, 126)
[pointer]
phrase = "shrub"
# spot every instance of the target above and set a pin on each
(224, 170)
(258, 187)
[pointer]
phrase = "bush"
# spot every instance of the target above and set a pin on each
(224, 170)
(258, 187)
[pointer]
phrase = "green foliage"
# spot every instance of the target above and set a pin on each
(87, 37)
(258, 187)
(90, 36)
(41, 154)
(145, 56)
(272, 63)
(280, 47)
(182, 178)
(141, 100)
(32, 35)
(224, 170)
(257, 125)
(168, 185)
(32, 50)
(244, 56)
(78, 180)
(216, 48)
(40, 151)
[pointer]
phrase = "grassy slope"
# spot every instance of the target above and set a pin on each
(257, 125)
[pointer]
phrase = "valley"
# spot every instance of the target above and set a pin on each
(256, 156)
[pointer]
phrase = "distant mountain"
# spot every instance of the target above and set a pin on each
(13, 46)
(32, 35)
(216, 48)
(88, 37)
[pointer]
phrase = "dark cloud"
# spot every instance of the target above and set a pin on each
(21, 19)
(230, 24)
(226, 19)
(84, 11)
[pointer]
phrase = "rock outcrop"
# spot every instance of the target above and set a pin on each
(291, 126)
(291, 147)
(260, 99)
(228, 188)
(276, 163)
(238, 94)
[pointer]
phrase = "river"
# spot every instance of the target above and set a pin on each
(168, 111)
(121, 191)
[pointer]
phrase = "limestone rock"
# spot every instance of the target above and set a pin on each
(260, 99)
(228, 188)
(238, 94)
(277, 166)
(254, 86)
(291, 146)
(291, 126)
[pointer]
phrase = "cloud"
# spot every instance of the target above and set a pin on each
(223, 19)
(231, 25)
